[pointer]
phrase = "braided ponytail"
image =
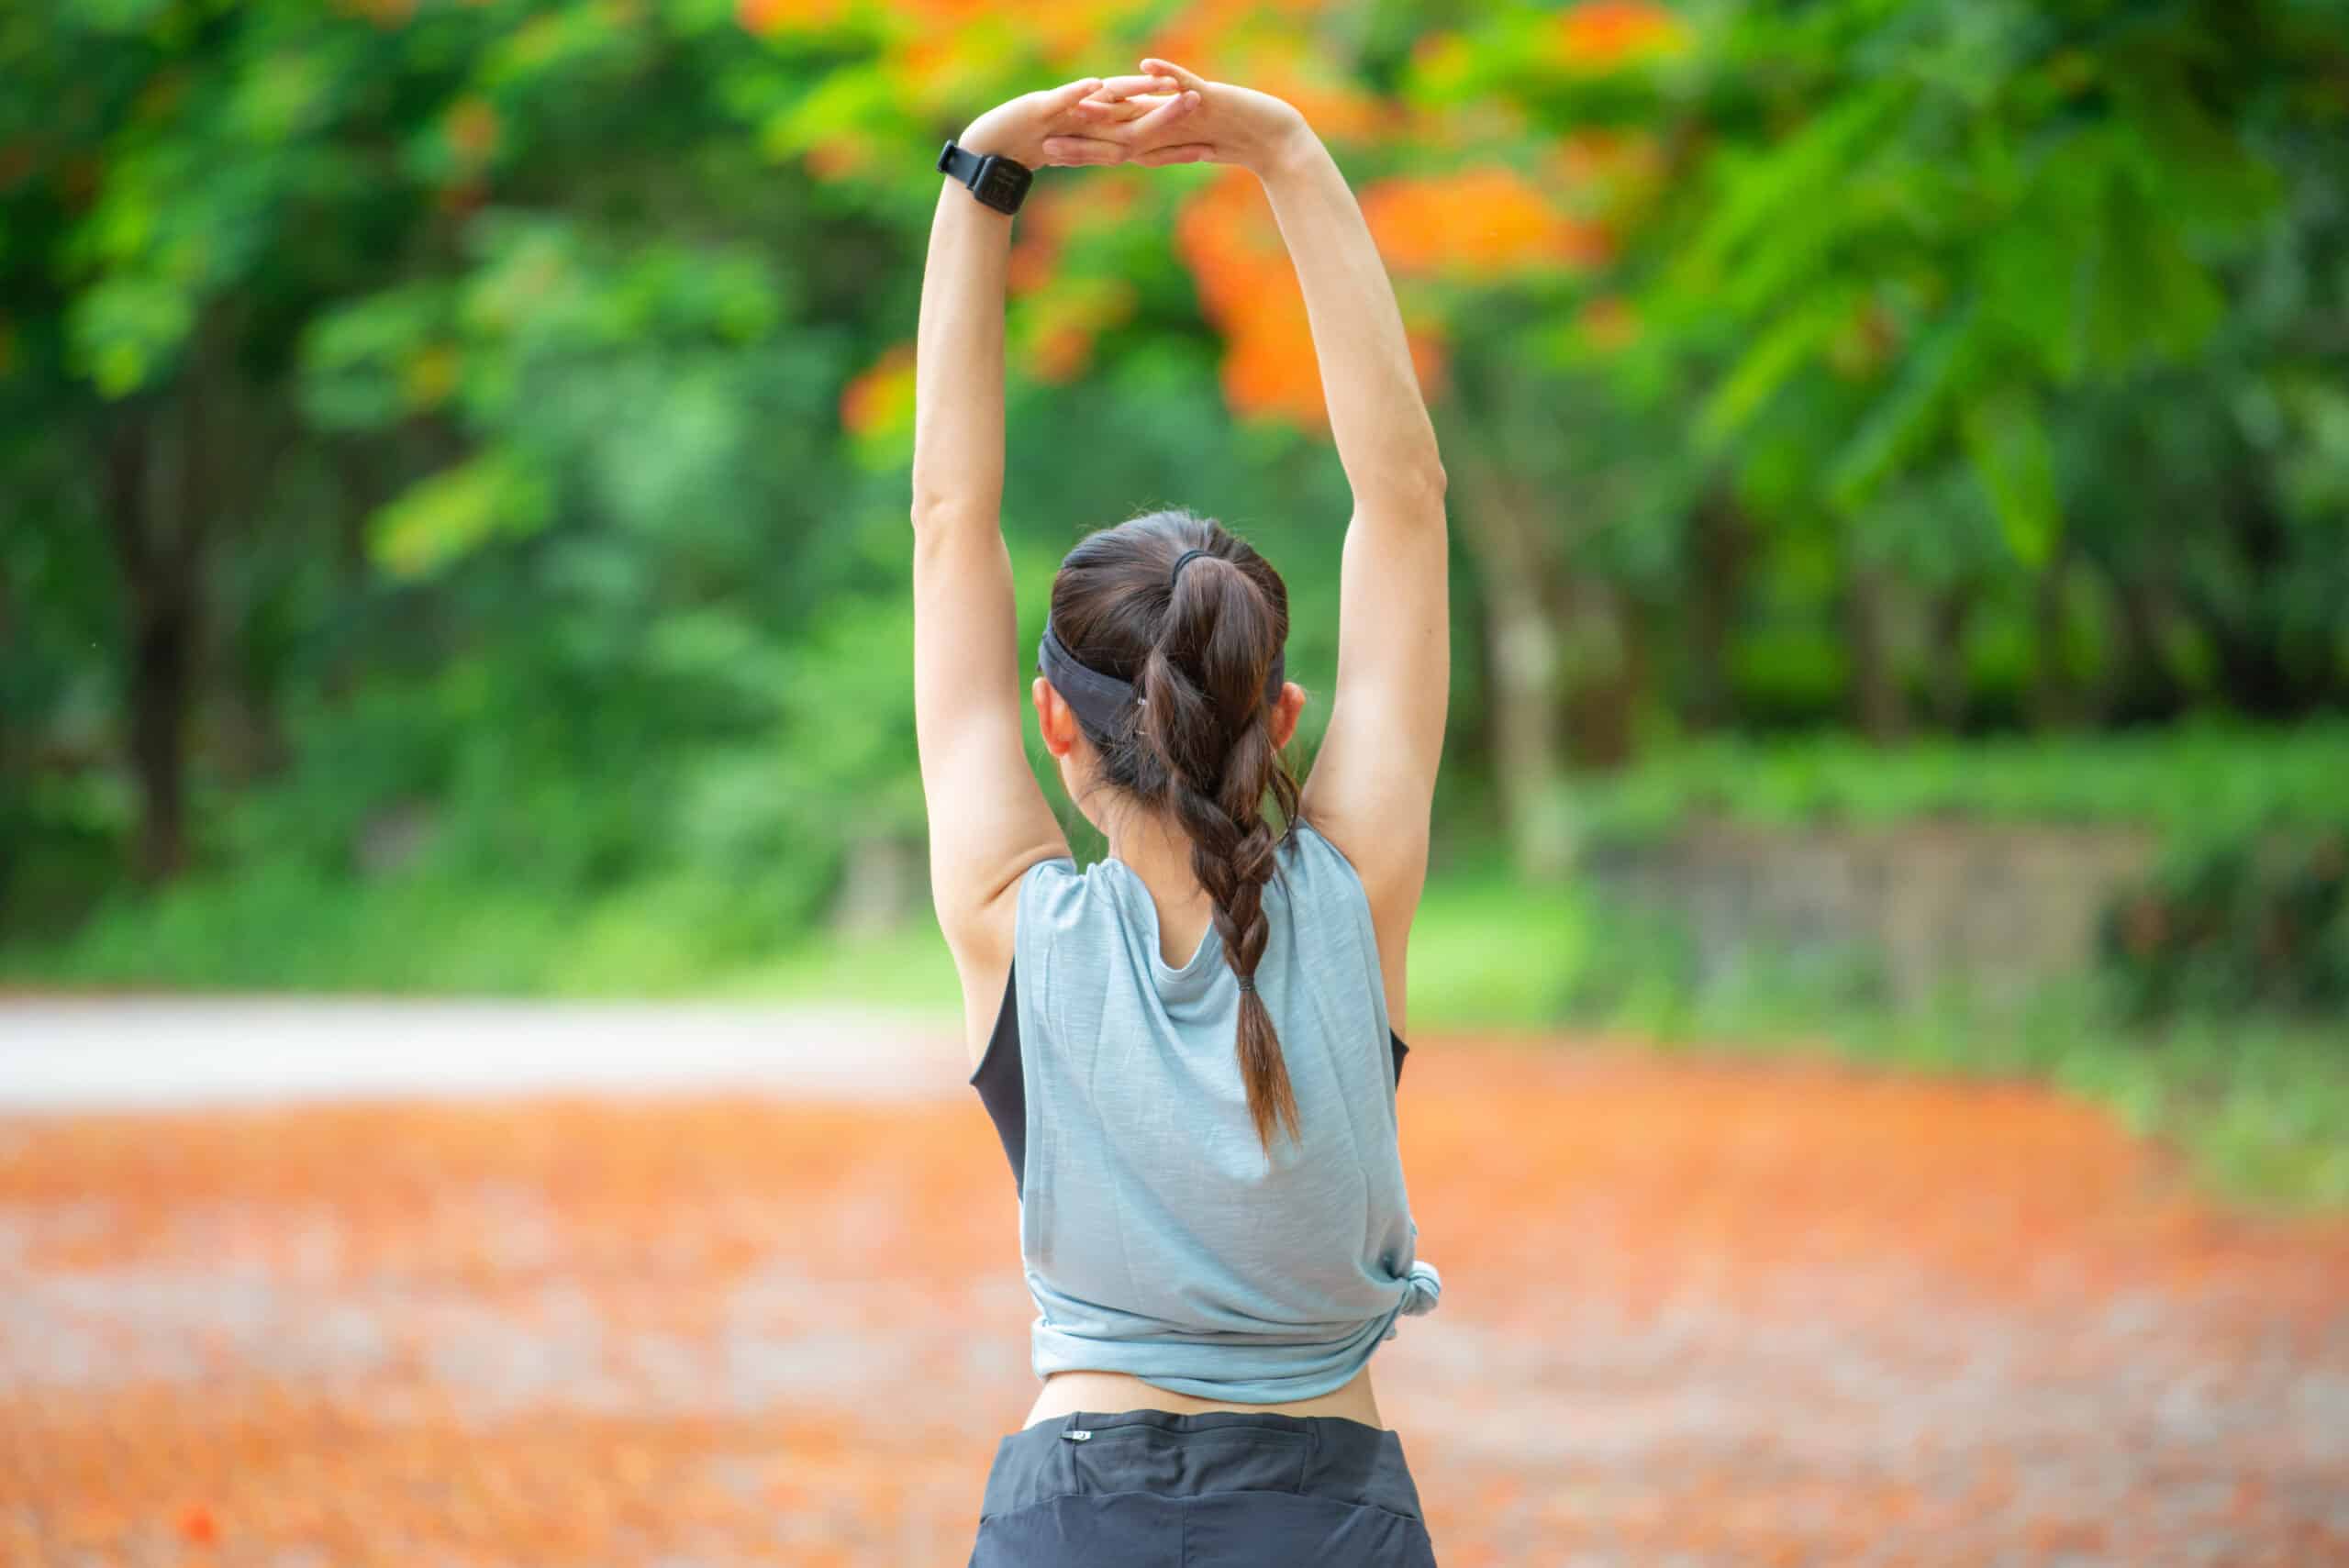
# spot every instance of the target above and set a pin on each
(1200, 747)
(1205, 718)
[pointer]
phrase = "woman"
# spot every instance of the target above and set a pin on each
(1191, 1048)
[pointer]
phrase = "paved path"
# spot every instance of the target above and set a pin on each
(773, 1313)
(158, 1051)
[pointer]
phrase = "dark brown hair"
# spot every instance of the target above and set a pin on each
(1198, 746)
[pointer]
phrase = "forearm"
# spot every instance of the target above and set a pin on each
(1377, 416)
(958, 363)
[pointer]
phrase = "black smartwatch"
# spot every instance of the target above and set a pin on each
(1000, 183)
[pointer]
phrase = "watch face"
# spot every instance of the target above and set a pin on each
(1001, 185)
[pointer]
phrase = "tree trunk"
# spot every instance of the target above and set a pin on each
(1718, 549)
(1521, 662)
(1603, 672)
(163, 623)
(1945, 647)
(163, 619)
(2053, 701)
(1879, 707)
(2139, 685)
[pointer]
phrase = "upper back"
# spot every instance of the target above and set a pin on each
(1161, 1237)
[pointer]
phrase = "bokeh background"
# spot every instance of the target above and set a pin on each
(453, 473)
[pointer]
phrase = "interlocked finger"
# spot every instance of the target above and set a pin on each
(1068, 94)
(1118, 88)
(1121, 111)
(1073, 152)
(1175, 76)
(1150, 128)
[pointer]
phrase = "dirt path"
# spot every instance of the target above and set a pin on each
(1692, 1316)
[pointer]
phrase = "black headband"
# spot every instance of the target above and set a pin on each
(1103, 701)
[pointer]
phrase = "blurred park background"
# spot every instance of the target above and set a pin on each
(453, 543)
(454, 488)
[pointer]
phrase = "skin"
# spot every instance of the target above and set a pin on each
(1374, 779)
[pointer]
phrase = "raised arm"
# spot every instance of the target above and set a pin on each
(988, 819)
(1373, 781)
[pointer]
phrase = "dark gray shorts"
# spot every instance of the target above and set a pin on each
(1219, 1489)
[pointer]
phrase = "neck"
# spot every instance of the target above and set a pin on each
(1160, 853)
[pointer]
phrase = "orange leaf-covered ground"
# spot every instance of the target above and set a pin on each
(1692, 1314)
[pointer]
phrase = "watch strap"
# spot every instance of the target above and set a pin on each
(960, 162)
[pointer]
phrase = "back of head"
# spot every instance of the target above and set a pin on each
(1199, 646)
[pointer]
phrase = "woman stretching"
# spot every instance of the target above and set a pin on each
(1190, 1049)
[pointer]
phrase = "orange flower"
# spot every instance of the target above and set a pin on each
(1269, 368)
(1249, 290)
(1480, 223)
(882, 397)
(1606, 35)
(769, 17)
(1061, 352)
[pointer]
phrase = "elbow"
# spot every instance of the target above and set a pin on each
(939, 518)
(1418, 486)
(929, 502)
(933, 495)
(1416, 470)
(943, 504)
(935, 511)
(1404, 484)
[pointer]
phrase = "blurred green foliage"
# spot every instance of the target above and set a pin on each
(2188, 783)
(2234, 922)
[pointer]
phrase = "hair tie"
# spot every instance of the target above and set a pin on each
(1181, 561)
(1247, 983)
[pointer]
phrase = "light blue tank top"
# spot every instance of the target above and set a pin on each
(1156, 1237)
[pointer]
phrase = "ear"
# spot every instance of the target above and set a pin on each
(1053, 717)
(1286, 713)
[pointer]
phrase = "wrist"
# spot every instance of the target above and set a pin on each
(1294, 151)
(987, 134)
(995, 179)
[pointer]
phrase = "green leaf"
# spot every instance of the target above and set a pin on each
(128, 328)
(1794, 342)
(2006, 436)
(458, 510)
(353, 358)
(1901, 423)
(1804, 168)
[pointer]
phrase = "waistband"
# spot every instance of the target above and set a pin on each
(1177, 1455)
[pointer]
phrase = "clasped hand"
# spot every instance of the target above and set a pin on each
(1165, 114)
